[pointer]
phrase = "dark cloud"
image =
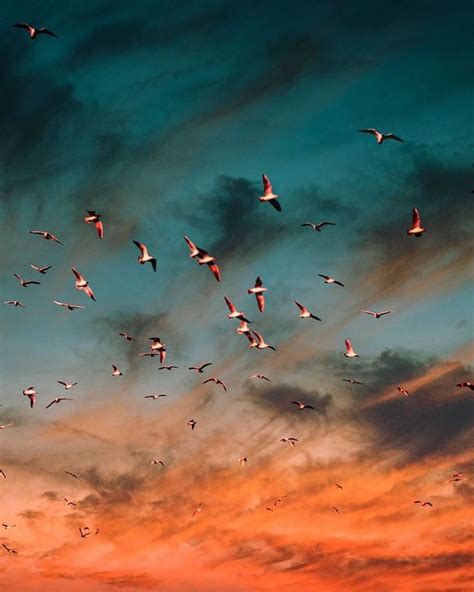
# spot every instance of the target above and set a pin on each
(51, 495)
(32, 514)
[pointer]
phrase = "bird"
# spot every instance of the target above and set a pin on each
(127, 337)
(67, 385)
(381, 136)
(6, 425)
(468, 385)
(268, 194)
(84, 532)
(290, 441)
(352, 381)
(31, 393)
(261, 344)
(157, 462)
(301, 405)
(242, 460)
(329, 280)
(58, 400)
(95, 218)
(198, 509)
(116, 371)
(334, 509)
(200, 369)
(97, 530)
(194, 251)
(376, 315)
(260, 377)
(216, 381)
(42, 270)
(46, 235)
(243, 328)
(69, 502)
(157, 346)
(403, 391)
(9, 549)
(234, 313)
(73, 475)
(15, 303)
(154, 397)
(82, 284)
(192, 424)
(33, 31)
(350, 353)
(144, 256)
(250, 336)
(305, 314)
(167, 367)
(203, 258)
(456, 477)
(2, 473)
(339, 486)
(269, 509)
(423, 503)
(279, 499)
(25, 283)
(7, 526)
(69, 306)
(416, 228)
(258, 290)
(318, 226)
(153, 354)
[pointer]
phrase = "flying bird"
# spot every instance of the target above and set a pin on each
(381, 136)
(15, 303)
(157, 346)
(352, 381)
(116, 371)
(84, 532)
(305, 314)
(403, 391)
(301, 405)
(468, 385)
(167, 367)
(25, 283)
(334, 509)
(69, 502)
(82, 284)
(260, 377)
(258, 290)
(243, 328)
(69, 306)
(157, 462)
(154, 397)
(67, 385)
(7, 526)
(6, 425)
(33, 31)
(423, 503)
(339, 486)
(318, 226)
(9, 549)
(31, 393)
(2, 473)
(290, 441)
(329, 280)
(93, 217)
(127, 337)
(194, 251)
(217, 381)
(234, 313)
(205, 259)
(198, 509)
(242, 461)
(59, 400)
(261, 344)
(200, 369)
(144, 256)
(350, 353)
(46, 235)
(268, 194)
(376, 315)
(73, 475)
(192, 424)
(41, 270)
(416, 228)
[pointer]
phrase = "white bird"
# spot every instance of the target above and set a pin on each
(318, 226)
(290, 441)
(242, 460)
(329, 280)
(416, 228)
(69, 306)
(261, 344)
(216, 381)
(157, 462)
(260, 377)
(15, 303)
(33, 31)
(403, 391)
(205, 259)
(268, 194)
(350, 353)
(154, 397)
(234, 313)
(6, 425)
(352, 381)
(25, 283)
(41, 270)
(157, 346)
(96, 219)
(31, 393)
(381, 136)
(116, 371)
(145, 256)
(192, 424)
(59, 400)
(200, 369)
(301, 405)
(305, 314)
(67, 385)
(46, 235)
(127, 337)
(82, 284)
(376, 315)
(243, 328)
(258, 290)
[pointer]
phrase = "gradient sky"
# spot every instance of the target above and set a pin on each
(162, 116)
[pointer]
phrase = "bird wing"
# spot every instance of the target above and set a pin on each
(416, 218)
(391, 136)
(369, 130)
(191, 245)
(348, 345)
(230, 305)
(140, 246)
(46, 31)
(153, 263)
(300, 306)
(215, 270)
(100, 228)
(260, 302)
(321, 224)
(307, 224)
(276, 204)
(258, 282)
(267, 186)
(78, 275)
(326, 277)
(22, 26)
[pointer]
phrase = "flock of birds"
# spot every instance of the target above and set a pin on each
(157, 348)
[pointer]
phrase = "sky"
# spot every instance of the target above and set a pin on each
(162, 117)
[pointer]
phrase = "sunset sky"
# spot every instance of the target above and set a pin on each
(162, 116)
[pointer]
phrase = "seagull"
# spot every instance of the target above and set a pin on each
(157, 462)
(268, 194)
(192, 424)
(270, 509)
(339, 486)
(25, 283)
(352, 381)
(167, 367)
(84, 532)
(116, 371)
(200, 369)
(41, 270)
(423, 503)
(6, 425)
(58, 400)
(318, 227)
(350, 353)
(69, 502)
(97, 530)
(192, 247)
(205, 259)
(72, 475)
(46, 235)
(145, 256)
(334, 509)
(329, 280)
(416, 229)
(261, 342)
(82, 284)
(403, 391)
(456, 477)
(279, 499)
(157, 346)
(260, 377)
(30, 392)
(7, 526)
(216, 381)
(67, 385)
(9, 549)
(468, 385)
(305, 314)
(198, 509)
(376, 315)
(95, 218)
(15, 303)
(33, 31)
(127, 337)
(2, 473)
(290, 441)
(301, 405)
(234, 313)
(243, 328)
(381, 136)
(242, 461)
(69, 306)
(258, 290)
(154, 397)
(251, 338)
